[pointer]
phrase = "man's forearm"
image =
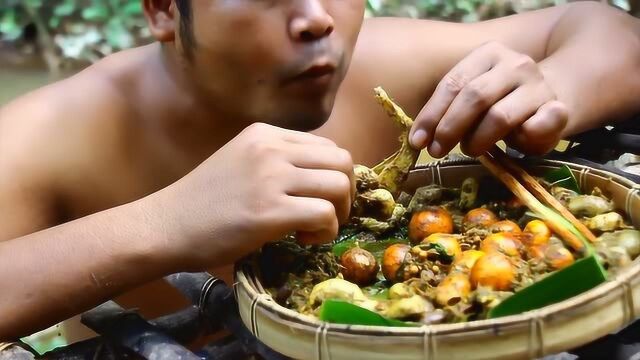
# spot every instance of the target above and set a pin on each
(56, 273)
(593, 65)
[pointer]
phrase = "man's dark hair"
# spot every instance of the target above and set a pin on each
(186, 26)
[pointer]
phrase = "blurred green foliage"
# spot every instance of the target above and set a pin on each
(468, 10)
(449, 10)
(77, 32)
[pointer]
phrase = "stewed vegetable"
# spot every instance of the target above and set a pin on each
(439, 262)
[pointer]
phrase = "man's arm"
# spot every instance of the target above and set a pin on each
(587, 54)
(56, 273)
(265, 183)
(49, 275)
(593, 63)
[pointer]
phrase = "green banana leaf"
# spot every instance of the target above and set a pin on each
(563, 177)
(583, 275)
(342, 312)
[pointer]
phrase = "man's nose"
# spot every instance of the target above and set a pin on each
(310, 21)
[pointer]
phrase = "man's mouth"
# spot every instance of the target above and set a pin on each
(317, 71)
(319, 74)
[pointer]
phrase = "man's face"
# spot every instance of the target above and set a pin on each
(274, 61)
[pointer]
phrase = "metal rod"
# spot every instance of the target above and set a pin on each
(131, 331)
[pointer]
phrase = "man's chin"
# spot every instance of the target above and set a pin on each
(304, 115)
(303, 121)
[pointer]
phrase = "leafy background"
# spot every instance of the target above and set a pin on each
(68, 34)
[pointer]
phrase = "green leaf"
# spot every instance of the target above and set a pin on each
(65, 9)
(622, 4)
(54, 22)
(583, 275)
(563, 177)
(374, 5)
(342, 247)
(95, 13)
(34, 4)
(342, 312)
(132, 8)
(117, 34)
(467, 6)
(442, 253)
(9, 25)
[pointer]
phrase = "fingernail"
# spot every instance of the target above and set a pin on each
(435, 149)
(419, 138)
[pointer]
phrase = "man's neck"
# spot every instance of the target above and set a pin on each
(169, 103)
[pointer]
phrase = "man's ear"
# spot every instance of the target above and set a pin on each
(161, 18)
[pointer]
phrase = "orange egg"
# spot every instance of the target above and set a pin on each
(479, 217)
(494, 270)
(504, 242)
(467, 259)
(540, 230)
(359, 266)
(554, 255)
(448, 241)
(392, 260)
(453, 288)
(558, 257)
(429, 221)
(505, 226)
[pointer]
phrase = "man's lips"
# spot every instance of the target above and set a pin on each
(318, 73)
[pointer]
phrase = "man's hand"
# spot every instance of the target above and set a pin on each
(264, 184)
(492, 94)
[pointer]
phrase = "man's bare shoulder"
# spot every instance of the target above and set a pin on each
(56, 140)
(50, 124)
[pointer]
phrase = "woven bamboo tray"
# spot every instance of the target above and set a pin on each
(533, 334)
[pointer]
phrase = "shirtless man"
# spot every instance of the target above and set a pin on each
(159, 159)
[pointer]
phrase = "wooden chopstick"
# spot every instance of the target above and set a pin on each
(541, 193)
(502, 173)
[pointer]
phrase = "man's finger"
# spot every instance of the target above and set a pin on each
(469, 107)
(333, 186)
(478, 62)
(324, 157)
(315, 220)
(505, 116)
(298, 137)
(320, 157)
(542, 132)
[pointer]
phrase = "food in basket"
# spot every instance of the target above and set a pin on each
(440, 254)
